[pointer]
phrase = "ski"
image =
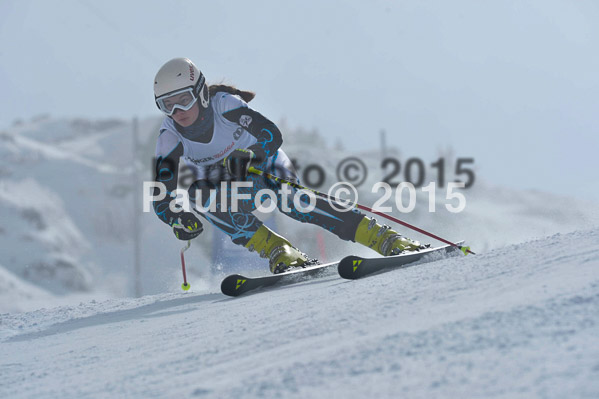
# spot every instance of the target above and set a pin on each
(236, 284)
(354, 267)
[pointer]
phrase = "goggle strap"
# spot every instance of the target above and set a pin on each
(200, 85)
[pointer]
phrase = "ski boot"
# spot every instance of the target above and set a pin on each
(383, 240)
(281, 255)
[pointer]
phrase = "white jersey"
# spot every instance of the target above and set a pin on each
(227, 136)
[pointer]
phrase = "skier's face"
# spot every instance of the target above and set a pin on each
(187, 118)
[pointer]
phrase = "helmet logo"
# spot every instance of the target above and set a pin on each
(191, 73)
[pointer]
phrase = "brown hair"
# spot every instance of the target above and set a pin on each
(247, 96)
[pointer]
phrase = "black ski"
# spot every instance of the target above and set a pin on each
(236, 284)
(354, 267)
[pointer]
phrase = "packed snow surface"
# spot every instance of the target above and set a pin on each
(520, 321)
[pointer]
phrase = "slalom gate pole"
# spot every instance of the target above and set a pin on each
(464, 249)
(185, 286)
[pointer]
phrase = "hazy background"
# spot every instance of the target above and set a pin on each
(513, 84)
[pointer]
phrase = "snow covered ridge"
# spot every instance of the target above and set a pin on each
(519, 321)
(14, 291)
(39, 235)
(63, 196)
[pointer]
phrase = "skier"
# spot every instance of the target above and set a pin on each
(220, 137)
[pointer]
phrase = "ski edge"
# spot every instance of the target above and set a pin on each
(236, 284)
(348, 266)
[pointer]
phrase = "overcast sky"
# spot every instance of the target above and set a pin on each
(514, 84)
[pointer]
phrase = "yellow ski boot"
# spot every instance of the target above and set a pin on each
(280, 253)
(382, 239)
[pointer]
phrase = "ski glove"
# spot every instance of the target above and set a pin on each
(239, 162)
(187, 227)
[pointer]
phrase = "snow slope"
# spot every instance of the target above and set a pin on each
(520, 321)
(14, 292)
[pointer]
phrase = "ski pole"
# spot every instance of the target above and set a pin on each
(464, 249)
(185, 286)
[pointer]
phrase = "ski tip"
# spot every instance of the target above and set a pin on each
(349, 267)
(233, 285)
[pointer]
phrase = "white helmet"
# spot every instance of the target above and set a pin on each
(177, 75)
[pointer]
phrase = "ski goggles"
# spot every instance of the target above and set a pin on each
(182, 99)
